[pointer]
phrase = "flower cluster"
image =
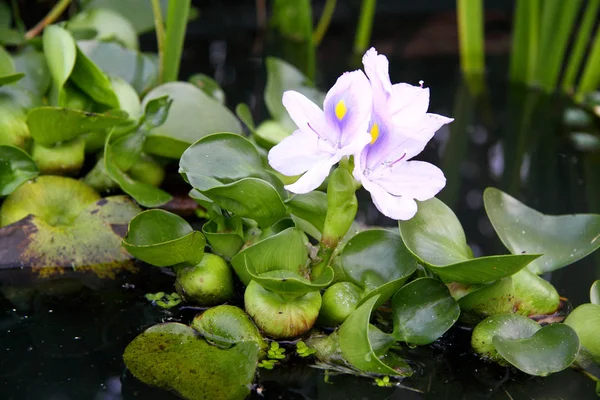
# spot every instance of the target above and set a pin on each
(383, 125)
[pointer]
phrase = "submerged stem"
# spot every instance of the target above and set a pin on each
(52, 16)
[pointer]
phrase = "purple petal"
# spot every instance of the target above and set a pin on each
(313, 177)
(308, 116)
(348, 106)
(415, 179)
(408, 104)
(395, 207)
(298, 153)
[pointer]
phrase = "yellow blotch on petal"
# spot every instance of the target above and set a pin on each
(374, 132)
(340, 109)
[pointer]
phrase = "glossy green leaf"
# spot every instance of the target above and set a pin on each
(206, 283)
(494, 298)
(423, 311)
(282, 76)
(245, 115)
(145, 194)
(209, 86)
(56, 226)
(137, 69)
(225, 243)
(595, 293)
(308, 212)
(357, 349)
(173, 357)
(37, 75)
(561, 239)
(13, 128)
(378, 262)
(8, 73)
(92, 81)
(127, 149)
(436, 238)
(193, 115)
(505, 326)
(49, 125)
(16, 167)
(534, 295)
(290, 282)
(163, 239)
(585, 320)
(551, 349)
(221, 158)
(269, 133)
(285, 250)
(61, 53)
(128, 101)
(107, 25)
(156, 112)
(250, 198)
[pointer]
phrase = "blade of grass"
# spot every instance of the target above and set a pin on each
(584, 33)
(365, 25)
(558, 18)
(525, 41)
(324, 21)
(177, 18)
(471, 36)
(590, 78)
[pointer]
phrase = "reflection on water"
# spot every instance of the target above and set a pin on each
(65, 341)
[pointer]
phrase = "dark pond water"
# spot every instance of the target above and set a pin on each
(64, 340)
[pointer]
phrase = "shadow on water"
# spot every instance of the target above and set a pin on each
(65, 340)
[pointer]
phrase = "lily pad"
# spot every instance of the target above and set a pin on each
(16, 167)
(356, 346)
(561, 239)
(267, 255)
(423, 311)
(137, 69)
(171, 356)
(163, 239)
(49, 125)
(551, 349)
(378, 262)
(56, 224)
(193, 115)
(436, 238)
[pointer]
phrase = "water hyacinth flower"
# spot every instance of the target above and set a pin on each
(400, 128)
(324, 136)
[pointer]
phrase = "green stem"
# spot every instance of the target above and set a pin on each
(177, 17)
(525, 41)
(581, 43)
(323, 24)
(471, 36)
(159, 26)
(365, 25)
(17, 16)
(52, 16)
(590, 79)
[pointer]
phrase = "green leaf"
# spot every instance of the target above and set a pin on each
(144, 193)
(595, 293)
(423, 311)
(308, 212)
(138, 12)
(585, 320)
(226, 242)
(61, 53)
(378, 262)
(551, 349)
(8, 73)
(49, 125)
(193, 115)
(137, 69)
(436, 238)
(128, 101)
(245, 115)
(92, 81)
(285, 250)
(57, 226)
(494, 298)
(209, 86)
(270, 133)
(16, 167)
(290, 282)
(561, 239)
(37, 75)
(251, 198)
(163, 239)
(281, 77)
(356, 346)
(156, 112)
(107, 25)
(173, 357)
(221, 158)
